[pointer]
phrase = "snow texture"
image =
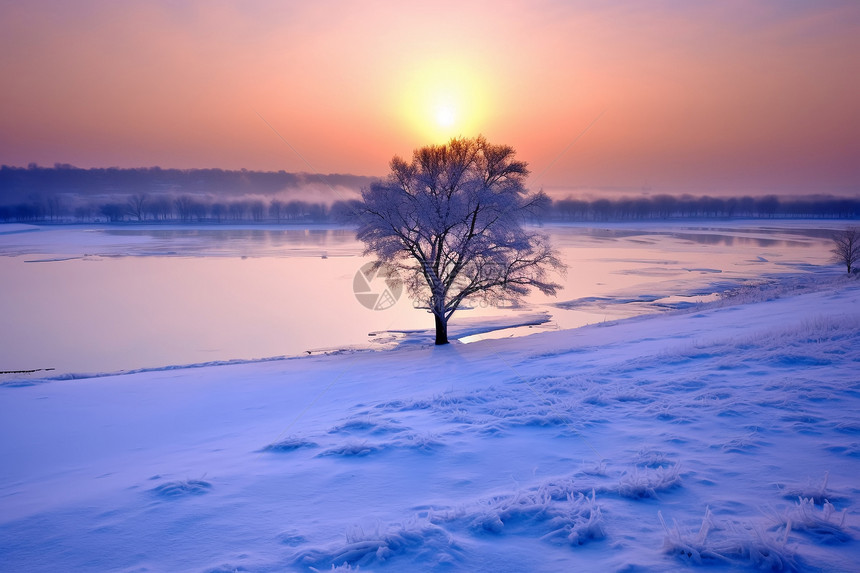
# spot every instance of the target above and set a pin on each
(724, 439)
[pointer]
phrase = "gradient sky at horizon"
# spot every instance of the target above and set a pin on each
(720, 97)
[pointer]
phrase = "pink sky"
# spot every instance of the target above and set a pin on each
(701, 97)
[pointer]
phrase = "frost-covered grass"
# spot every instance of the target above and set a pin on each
(763, 290)
(647, 483)
(825, 524)
(730, 542)
(724, 439)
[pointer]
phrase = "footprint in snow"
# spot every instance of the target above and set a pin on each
(173, 489)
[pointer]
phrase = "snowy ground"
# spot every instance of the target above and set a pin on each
(724, 439)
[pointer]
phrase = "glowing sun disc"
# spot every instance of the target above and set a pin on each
(446, 116)
(443, 98)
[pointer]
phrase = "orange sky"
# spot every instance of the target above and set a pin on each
(704, 97)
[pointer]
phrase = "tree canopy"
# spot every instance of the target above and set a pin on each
(452, 224)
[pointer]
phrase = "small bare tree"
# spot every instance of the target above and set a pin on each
(846, 249)
(276, 210)
(137, 206)
(451, 224)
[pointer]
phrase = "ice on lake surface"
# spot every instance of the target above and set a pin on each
(86, 299)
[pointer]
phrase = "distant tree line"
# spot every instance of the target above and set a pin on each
(67, 194)
(142, 208)
(20, 183)
(705, 207)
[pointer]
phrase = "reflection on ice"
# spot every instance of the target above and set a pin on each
(211, 241)
(169, 240)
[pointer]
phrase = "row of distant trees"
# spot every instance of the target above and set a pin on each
(143, 207)
(688, 206)
(64, 193)
(20, 183)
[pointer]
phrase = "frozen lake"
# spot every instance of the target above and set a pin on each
(103, 299)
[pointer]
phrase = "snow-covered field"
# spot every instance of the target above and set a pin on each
(726, 438)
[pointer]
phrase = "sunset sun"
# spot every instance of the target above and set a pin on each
(446, 116)
(444, 100)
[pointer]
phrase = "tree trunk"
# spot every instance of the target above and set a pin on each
(441, 330)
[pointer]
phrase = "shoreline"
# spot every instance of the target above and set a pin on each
(760, 290)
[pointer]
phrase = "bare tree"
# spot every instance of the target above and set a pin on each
(161, 208)
(295, 209)
(276, 210)
(846, 248)
(258, 210)
(184, 207)
(137, 205)
(113, 212)
(54, 207)
(238, 210)
(450, 223)
(218, 211)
